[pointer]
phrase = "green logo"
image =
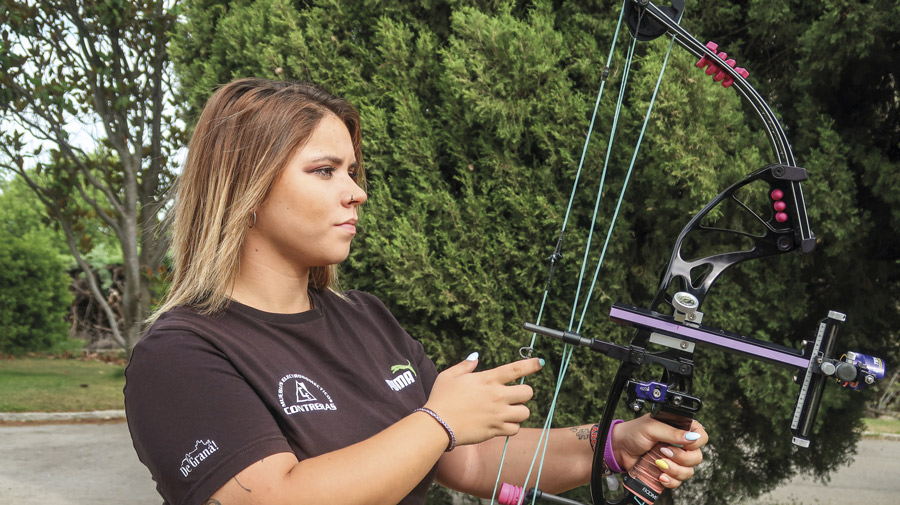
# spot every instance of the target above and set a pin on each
(407, 366)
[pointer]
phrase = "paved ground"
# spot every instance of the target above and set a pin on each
(872, 479)
(95, 464)
(72, 464)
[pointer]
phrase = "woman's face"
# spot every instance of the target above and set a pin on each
(309, 217)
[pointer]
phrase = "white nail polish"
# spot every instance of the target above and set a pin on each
(473, 356)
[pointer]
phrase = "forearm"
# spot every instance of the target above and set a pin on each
(567, 463)
(380, 470)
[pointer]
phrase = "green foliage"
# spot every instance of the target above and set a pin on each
(34, 295)
(102, 65)
(474, 117)
(22, 214)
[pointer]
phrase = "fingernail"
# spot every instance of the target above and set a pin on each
(691, 436)
(667, 452)
(664, 478)
(662, 464)
(542, 362)
(473, 356)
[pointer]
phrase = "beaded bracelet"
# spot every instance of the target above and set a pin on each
(437, 418)
(609, 458)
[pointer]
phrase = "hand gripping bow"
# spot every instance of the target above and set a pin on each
(686, 282)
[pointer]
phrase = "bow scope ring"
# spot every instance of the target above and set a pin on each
(685, 302)
(686, 306)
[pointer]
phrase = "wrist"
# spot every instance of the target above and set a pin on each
(452, 443)
(609, 458)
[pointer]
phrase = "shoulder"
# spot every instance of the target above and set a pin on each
(178, 336)
(180, 319)
(363, 298)
(178, 323)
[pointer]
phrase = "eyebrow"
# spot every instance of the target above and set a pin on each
(333, 160)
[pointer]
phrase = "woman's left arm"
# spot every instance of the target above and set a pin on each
(473, 469)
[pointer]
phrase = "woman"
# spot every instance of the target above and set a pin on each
(259, 382)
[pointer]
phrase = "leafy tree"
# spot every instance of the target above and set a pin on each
(69, 63)
(474, 118)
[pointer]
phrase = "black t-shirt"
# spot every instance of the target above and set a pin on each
(207, 396)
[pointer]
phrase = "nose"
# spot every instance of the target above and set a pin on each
(356, 196)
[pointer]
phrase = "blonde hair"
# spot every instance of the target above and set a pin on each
(246, 134)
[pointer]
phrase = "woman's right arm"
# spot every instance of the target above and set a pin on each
(386, 467)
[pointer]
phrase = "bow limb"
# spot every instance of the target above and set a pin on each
(781, 147)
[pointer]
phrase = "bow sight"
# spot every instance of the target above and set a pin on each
(670, 401)
(782, 226)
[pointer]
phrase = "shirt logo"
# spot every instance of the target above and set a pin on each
(298, 393)
(403, 380)
(202, 450)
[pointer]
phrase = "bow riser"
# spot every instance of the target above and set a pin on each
(782, 233)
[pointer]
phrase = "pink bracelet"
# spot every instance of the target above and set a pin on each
(608, 457)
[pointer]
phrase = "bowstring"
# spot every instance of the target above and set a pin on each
(545, 296)
(568, 349)
(637, 146)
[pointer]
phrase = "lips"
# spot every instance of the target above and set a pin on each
(349, 226)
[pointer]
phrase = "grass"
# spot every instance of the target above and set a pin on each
(883, 426)
(60, 384)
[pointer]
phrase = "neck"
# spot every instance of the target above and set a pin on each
(268, 289)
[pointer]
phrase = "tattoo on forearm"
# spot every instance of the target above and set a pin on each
(212, 502)
(242, 486)
(581, 433)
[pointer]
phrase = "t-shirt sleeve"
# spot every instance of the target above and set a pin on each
(426, 367)
(194, 420)
(385, 319)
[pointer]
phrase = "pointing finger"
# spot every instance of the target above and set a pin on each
(516, 370)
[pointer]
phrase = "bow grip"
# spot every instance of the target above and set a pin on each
(643, 479)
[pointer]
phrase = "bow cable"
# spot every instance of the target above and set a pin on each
(568, 349)
(557, 253)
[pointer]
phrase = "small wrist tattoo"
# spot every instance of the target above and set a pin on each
(580, 432)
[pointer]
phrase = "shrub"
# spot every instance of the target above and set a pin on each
(34, 295)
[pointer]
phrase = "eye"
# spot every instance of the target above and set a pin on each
(353, 173)
(326, 171)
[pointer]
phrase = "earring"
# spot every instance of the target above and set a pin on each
(253, 221)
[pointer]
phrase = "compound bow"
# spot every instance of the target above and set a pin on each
(686, 283)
